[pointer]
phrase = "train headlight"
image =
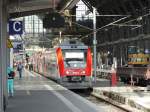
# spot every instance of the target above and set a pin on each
(67, 72)
(83, 72)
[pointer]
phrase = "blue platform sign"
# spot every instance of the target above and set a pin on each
(15, 27)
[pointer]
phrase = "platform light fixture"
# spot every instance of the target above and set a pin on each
(94, 41)
(60, 35)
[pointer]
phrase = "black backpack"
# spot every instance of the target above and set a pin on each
(11, 74)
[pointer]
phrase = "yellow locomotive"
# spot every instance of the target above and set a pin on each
(138, 56)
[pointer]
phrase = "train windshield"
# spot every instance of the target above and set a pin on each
(74, 59)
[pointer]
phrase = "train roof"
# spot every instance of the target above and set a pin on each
(73, 44)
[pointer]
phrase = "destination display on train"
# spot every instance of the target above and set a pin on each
(74, 55)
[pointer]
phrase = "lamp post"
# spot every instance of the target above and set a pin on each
(94, 41)
(60, 39)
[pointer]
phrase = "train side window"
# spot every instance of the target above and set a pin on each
(129, 60)
(140, 59)
(133, 60)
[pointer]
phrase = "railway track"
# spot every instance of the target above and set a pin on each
(99, 102)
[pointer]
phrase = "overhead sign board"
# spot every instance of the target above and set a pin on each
(15, 27)
(17, 46)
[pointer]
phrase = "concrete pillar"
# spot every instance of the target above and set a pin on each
(3, 53)
(1, 82)
(8, 57)
(121, 55)
(11, 56)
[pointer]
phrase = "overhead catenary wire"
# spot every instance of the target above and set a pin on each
(82, 26)
(136, 18)
(113, 23)
(104, 27)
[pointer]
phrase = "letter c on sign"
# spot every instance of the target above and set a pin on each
(15, 24)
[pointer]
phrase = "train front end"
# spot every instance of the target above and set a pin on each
(75, 65)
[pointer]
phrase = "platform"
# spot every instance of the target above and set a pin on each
(35, 93)
(133, 99)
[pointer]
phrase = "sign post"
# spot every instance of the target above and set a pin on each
(94, 42)
(15, 28)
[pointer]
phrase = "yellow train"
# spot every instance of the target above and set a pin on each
(138, 56)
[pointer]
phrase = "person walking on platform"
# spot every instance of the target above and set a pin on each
(10, 82)
(19, 69)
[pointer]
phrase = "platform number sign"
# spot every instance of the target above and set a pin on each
(15, 27)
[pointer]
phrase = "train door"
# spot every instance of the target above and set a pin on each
(53, 64)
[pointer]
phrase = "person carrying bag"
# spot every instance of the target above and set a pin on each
(11, 75)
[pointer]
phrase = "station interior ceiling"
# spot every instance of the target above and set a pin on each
(18, 8)
(120, 23)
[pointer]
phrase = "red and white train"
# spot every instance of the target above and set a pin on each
(70, 64)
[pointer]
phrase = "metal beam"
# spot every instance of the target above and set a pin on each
(140, 37)
(85, 27)
(3, 54)
(113, 15)
(86, 2)
(127, 25)
(27, 13)
(136, 18)
(105, 26)
(29, 5)
(69, 5)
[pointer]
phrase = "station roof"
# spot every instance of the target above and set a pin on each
(104, 7)
(18, 8)
(134, 8)
(136, 12)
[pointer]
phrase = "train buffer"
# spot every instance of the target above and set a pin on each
(38, 94)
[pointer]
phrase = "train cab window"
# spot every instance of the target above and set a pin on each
(74, 59)
(139, 59)
(133, 60)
